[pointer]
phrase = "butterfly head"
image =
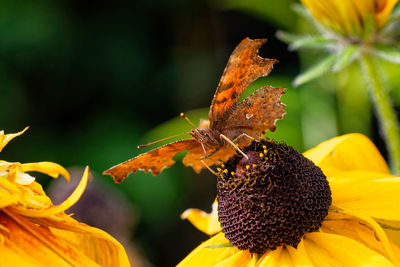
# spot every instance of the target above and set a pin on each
(207, 137)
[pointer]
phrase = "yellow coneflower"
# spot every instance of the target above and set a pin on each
(353, 230)
(350, 31)
(349, 17)
(34, 232)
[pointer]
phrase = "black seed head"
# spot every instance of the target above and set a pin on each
(272, 198)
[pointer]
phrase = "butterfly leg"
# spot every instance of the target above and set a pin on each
(241, 135)
(234, 145)
(208, 167)
(205, 152)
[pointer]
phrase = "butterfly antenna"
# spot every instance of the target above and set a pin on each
(166, 138)
(187, 119)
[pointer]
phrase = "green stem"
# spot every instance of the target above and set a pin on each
(385, 111)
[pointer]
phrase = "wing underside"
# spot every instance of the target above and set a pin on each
(254, 115)
(244, 67)
(160, 158)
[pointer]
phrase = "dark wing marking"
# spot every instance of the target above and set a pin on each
(244, 67)
(254, 115)
(153, 161)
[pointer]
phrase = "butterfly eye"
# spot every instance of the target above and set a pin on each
(249, 116)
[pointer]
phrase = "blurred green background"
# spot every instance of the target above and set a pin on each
(94, 79)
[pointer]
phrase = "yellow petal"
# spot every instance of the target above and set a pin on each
(5, 138)
(372, 193)
(206, 222)
(208, 254)
(7, 199)
(49, 168)
(384, 10)
(341, 250)
(10, 257)
(366, 232)
(316, 254)
(38, 245)
(94, 243)
(284, 256)
(240, 258)
(71, 200)
(351, 152)
(392, 229)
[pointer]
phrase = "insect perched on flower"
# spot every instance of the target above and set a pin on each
(335, 205)
(230, 126)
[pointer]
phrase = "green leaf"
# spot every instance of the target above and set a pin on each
(395, 16)
(300, 10)
(288, 37)
(345, 57)
(315, 71)
(311, 42)
(225, 245)
(390, 53)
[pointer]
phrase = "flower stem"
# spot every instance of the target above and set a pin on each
(385, 111)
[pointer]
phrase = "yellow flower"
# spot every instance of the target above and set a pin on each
(365, 212)
(348, 17)
(34, 232)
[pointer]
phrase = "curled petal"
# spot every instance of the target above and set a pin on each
(206, 222)
(350, 152)
(49, 168)
(5, 138)
(24, 178)
(71, 200)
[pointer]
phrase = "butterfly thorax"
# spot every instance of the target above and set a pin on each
(208, 137)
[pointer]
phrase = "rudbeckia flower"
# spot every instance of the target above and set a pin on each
(34, 232)
(362, 31)
(349, 17)
(359, 227)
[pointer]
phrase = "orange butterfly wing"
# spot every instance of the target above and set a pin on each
(153, 161)
(193, 157)
(254, 115)
(244, 67)
(160, 158)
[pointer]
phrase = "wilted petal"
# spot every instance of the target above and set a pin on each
(71, 200)
(24, 178)
(49, 168)
(5, 138)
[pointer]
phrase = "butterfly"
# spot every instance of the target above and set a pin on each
(229, 122)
